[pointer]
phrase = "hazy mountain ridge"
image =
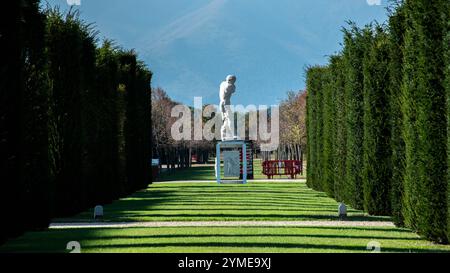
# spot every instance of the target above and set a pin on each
(192, 45)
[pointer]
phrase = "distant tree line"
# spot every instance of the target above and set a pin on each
(171, 153)
(293, 119)
(292, 128)
(75, 121)
(377, 119)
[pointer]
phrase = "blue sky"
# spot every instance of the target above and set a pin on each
(192, 45)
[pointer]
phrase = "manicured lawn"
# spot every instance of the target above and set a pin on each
(224, 239)
(207, 172)
(175, 201)
(279, 201)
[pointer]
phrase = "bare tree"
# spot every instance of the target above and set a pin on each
(293, 119)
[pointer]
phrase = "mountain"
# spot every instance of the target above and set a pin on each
(192, 45)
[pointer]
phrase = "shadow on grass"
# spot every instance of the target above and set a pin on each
(262, 245)
(249, 201)
(199, 197)
(229, 200)
(230, 217)
(56, 240)
(87, 215)
(259, 235)
(220, 193)
(237, 209)
(222, 190)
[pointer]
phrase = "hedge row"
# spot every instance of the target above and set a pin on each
(74, 121)
(447, 86)
(424, 106)
(378, 119)
(24, 175)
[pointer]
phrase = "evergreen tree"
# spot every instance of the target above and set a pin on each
(425, 130)
(396, 30)
(340, 127)
(377, 150)
(356, 42)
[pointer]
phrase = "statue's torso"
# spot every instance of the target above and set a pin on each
(226, 90)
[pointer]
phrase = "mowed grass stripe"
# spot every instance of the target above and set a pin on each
(224, 240)
(277, 201)
(206, 202)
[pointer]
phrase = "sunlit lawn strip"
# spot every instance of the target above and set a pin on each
(224, 239)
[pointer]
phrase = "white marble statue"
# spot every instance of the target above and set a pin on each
(227, 89)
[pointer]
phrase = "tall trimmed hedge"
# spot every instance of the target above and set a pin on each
(136, 124)
(425, 131)
(143, 105)
(315, 126)
(377, 170)
(396, 37)
(74, 118)
(71, 61)
(310, 126)
(356, 42)
(101, 156)
(334, 142)
(339, 121)
(447, 59)
(329, 135)
(24, 177)
(381, 106)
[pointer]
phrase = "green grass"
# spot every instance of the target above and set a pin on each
(209, 201)
(223, 240)
(206, 172)
(278, 201)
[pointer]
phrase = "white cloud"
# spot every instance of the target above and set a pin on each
(374, 2)
(185, 25)
(74, 2)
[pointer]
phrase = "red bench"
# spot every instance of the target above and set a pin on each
(282, 167)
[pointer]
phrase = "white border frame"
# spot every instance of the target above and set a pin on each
(231, 144)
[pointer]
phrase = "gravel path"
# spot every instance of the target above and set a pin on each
(225, 224)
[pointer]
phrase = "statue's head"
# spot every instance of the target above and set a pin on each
(231, 79)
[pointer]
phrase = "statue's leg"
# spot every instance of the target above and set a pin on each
(229, 131)
(226, 129)
(223, 131)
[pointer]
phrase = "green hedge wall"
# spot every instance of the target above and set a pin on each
(75, 126)
(315, 127)
(447, 59)
(339, 121)
(70, 60)
(328, 134)
(24, 176)
(377, 171)
(310, 127)
(101, 115)
(425, 131)
(136, 124)
(355, 43)
(25, 180)
(378, 119)
(334, 118)
(396, 37)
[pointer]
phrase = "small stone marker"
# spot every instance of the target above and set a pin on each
(98, 212)
(342, 211)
